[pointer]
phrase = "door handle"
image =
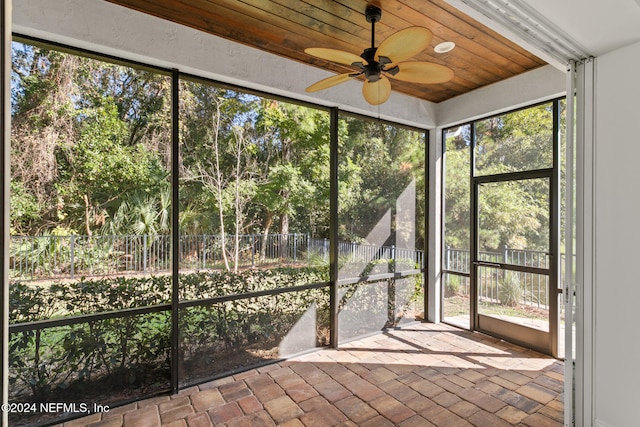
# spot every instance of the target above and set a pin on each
(487, 264)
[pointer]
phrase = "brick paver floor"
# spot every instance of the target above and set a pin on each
(424, 375)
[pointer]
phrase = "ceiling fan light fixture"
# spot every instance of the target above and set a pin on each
(444, 47)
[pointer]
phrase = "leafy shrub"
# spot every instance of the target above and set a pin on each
(510, 291)
(129, 347)
(218, 283)
(221, 330)
(368, 307)
(27, 304)
(134, 350)
(88, 296)
(455, 285)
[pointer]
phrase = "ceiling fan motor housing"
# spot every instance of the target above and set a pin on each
(373, 13)
(373, 69)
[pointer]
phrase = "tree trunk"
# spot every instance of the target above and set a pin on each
(87, 215)
(284, 236)
(223, 236)
(220, 187)
(238, 205)
(268, 221)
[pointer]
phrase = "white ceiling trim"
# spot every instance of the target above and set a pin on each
(525, 26)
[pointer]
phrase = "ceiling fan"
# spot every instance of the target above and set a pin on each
(376, 63)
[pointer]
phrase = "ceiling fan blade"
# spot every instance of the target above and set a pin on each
(329, 82)
(423, 72)
(375, 93)
(404, 44)
(339, 56)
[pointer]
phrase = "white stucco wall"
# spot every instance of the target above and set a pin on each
(524, 89)
(108, 28)
(617, 239)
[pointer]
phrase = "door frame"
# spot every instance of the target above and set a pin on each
(544, 342)
(536, 339)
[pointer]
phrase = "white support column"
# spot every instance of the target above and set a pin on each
(434, 247)
(585, 243)
(568, 278)
(5, 85)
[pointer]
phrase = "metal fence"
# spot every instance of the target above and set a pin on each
(534, 286)
(69, 257)
(59, 257)
(361, 254)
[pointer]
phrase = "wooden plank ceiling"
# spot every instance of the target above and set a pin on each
(287, 27)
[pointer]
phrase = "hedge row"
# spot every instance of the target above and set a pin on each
(134, 351)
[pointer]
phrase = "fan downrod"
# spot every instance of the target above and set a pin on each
(373, 69)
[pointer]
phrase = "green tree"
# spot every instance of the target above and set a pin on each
(41, 119)
(100, 170)
(380, 162)
(513, 214)
(86, 135)
(517, 141)
(217, 160)
(25, 211)
(293, 155)
(457, 191)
